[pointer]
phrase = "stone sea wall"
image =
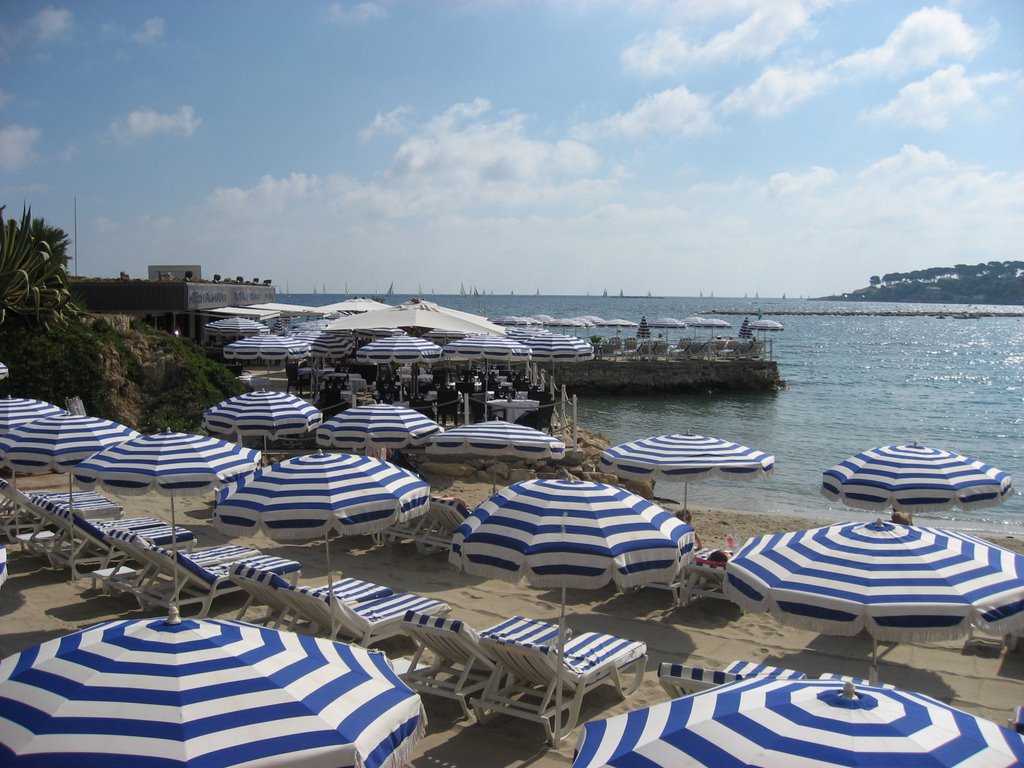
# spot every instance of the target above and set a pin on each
(669, 376)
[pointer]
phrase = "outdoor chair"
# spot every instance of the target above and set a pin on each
(432, 531)
(526, 672)
(200, 576)
(366, 622)
(458, 667)
(702, 577)
(19, 514)
(267, 588)
(1016, 721)
(683, 679)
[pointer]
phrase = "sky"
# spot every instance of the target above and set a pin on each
(776, 147)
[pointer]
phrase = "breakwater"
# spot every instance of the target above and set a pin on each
(669, 376)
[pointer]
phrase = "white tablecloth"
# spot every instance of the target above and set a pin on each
(511, 410)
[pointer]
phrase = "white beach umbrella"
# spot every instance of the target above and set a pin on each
(366, 427)
(15, 411)
(687, 458)
(771, 721)
(169, 463)
(419, 317)
(559, 533)
(915, 478)
(897, 582)
(264, 413)
(135, 694)
(268, 348)
(237, 327)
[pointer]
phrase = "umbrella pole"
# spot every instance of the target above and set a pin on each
(686, 490)
(561, 666)
(330, 584)
(173, 614)
(71, 511)
(873, 673)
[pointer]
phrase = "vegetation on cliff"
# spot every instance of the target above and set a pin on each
(141, 377)
(993, 282)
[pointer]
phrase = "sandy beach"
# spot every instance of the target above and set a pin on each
(38, 603)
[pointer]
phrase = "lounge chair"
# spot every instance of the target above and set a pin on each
(702, 577)
(267, 588)
(458, 667)
(432, 531)
(526, 672)
(19, 514)
(366, 622)
(68, 539)
(683, 679)
(1016, 721)
(199, 576)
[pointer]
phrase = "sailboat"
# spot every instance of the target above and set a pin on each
(605, 294)
(538, 291)
(620, 293)
(462, 289)
(391, 290)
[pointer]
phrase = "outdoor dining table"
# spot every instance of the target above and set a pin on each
(512, 409)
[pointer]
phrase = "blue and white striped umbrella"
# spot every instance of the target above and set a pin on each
(4, 371)
(327, 343)
(685, 457)
(555, 533)
(898, 582)
(559, 348)
(241, 327)
(915, 478)
(307, 497)
(212, 693)
(496, 439)
(3, 564)
(58, 443)
(399, 349)
(268, 347)
(376, 426)
(264, 413)
(170, 463)
(15, 411)
(768, 721)
(487, 348)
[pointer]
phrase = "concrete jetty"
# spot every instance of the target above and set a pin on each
(667, 376)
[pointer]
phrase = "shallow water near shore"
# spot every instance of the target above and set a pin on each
(854, 381)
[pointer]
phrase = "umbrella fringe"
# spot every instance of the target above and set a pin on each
(404, 753)
(918, 634)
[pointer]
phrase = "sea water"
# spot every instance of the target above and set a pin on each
(854, 381)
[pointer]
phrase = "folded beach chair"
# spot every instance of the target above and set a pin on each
(201, 575)
(683, 679)
(366, 622)
(267, 588)
(458, 667)
(523, 682)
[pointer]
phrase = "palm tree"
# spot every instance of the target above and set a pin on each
(55, 237)
(33, 281)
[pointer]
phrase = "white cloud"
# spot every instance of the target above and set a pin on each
(388, 124)
(52, 24)
(270, 195)
(778, 90)
(152, 32)
(787, 183)
(911, 161)
(922, 40)
(929, 102)
(356, 13)
(761, 33)
(148, 122)
(675, 111)
(16, 146)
